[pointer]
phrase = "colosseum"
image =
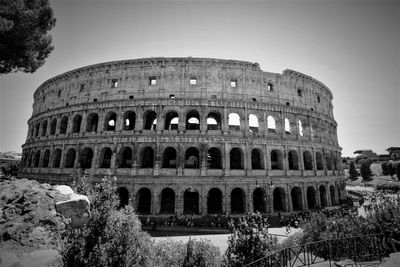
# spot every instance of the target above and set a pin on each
(189, 136)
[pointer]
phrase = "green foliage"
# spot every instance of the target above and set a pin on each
(365, 169)
(398, 171)
(24, 42)
(249, 241)
(394, 187)
(111, 237)
(391, 167)
(385, 168)
(353, 171)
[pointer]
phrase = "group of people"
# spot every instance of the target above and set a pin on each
(217, 221)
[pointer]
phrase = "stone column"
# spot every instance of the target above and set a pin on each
(304, 196)
(289, 204)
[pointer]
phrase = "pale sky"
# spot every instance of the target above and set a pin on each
(353, 47)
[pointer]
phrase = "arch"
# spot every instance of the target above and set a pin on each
(320, 164)
(293, 160)
(308, 160)
(125, 157)
(322, 194)
(333, 196)
(236, 159)
(105, 157)
(37, 159)
(171, 121)
(276, 159)
(271, 124)
(56, 158)
(253, 123)
(70, 158)
(234, 122)
(328, 161)
(191, 201)
(129, 120)
(214, 159)
(279, 197)
(46, 158)
(214, 121)
(300, 128)
(311, 197)
(257, 162)
(147, 157)
(110, 121)
(86, 158)
(259, 200)
(287, 126)
(64, 125)
(123, 196)
(193, 120)
(143, 200)
(237, 201)
(150, 120)
(37, 129)
(192, 158)
(44, 128)
(53, 126)
(297, 198)
(76, 124)
(167, 201)
(92, 122)
(169, 158)
(32, 159)
(214, 201)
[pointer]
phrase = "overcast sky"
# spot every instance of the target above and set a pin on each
(352, 47)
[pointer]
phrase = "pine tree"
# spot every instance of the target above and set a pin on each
(353, 171)
(365, 169)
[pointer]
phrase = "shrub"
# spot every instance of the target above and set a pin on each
(394, 187)
(353, 171)
(398, 170)
(391, 168)
(385, 168)
(365, 169)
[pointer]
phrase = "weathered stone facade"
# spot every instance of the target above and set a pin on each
(190, 135)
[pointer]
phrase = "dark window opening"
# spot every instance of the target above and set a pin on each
(64, 125)
(44, 128)
(114, 83)
(171, 96)
(95, 100)
(92, 122)
(167, 201)
(37, 159)
(293, 160)
(171, 121)
(70, 158)
(46, 159)
(131, 97)
(214, 158)
(256, 160)
(192, 158)
(82, 88)
(129, 121)
(237, 201)
(299, 92)
(53, 126)
(105, 157)
(123, 196)
(279, 199)
(254, 99)
(147, 158)
(308, 160)
(86, 158)
(259, 200)
(125, 158)
(297, 199)
(110, 121)
(214, 121)
(214, 201)
(150, 120)
(76, 126)
(236, 159)
(193, 120)
(144, 201)
(287, 104)
(270, 87)
(191, 201)
(169, 158)
(276, 160)
(56, 158)
(311, 198)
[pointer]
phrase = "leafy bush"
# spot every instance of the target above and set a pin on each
(353, 171)
(249, 241)
(394, 187)
(385, 168)
(365, 169)
(398, 171)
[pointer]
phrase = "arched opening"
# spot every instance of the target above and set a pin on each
(192, 158)
(297, 199)
(320, 164)
(125, 157)
(214, 201)
(76, 124)
(143, 199)
(123, 195)
(37, 129)
(191, 201)
(92, 122)
(193, 120)
(147, 157)
(169, 158)
(333, 195)
(322, 194)
(308, 160)
(37, 159)
(64, 125)
(171, 121)
(276, 160)
(234, 122)
(279, 196)
(237, 201)
(287, 126)
(214, 121)
(271, 124)
(259, 200)
(44, 128)
(86, 157)
(53, 126)
(167, 201)
(46, 159)
(293, 160)
(236, 159)
(56, 158)
(328, 161)
(253, 123)
(150, 120)
(105, 157)
(214, 158)
(110, 121)
(311, 197)
(257, 162)
(32, 159)
(300, 128)
(70, 158)
(129, 120)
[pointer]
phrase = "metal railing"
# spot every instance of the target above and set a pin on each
(359, 249)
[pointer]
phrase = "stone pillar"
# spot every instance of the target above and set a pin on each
(289, 204)
(317, 196)
(203, 159)
(304, 197)
(120, 120)
(63, 156)
(77, 163)
(203, 120)
(224, 120)
(179, 202)
(244, 122)
(114, 150)
(139, 119)
(181, 120)
(96, 157)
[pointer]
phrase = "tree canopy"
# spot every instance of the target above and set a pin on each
(24, 42)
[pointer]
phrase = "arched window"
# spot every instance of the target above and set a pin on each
(328, 161)
(53, 126)
(320, 164)
(150, 120)
(214, 158)
(322, 194)
(297, 199)
(214, 121)
(293, 160)
(86, 158)
(308, 160)
(46, 159)
(214, 201)
(105, 157)
(143, 198)
(333, 195)
(70, 158)
(147, 157)
(56, 158)
(236, 159)
(44, 128)
(193, 120)
(110, 121)
(234, 122)
(125, 157)
(37, 129)
(271, 124)
(192, 158)
(76, 126)
(311, 197)
(257, 162)
(167, 201)
(287, 126)
(37, 159)
(300, 128)
(92, 122)
(279, 199)
(64, 125)
(237, 201)
(123, 195)
(129, 120)
(259, 200)
(253, 123)
(276, 160)
(169, 158)
(171, 121)
(191, 201)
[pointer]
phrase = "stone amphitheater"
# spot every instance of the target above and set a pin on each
(189, 136)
